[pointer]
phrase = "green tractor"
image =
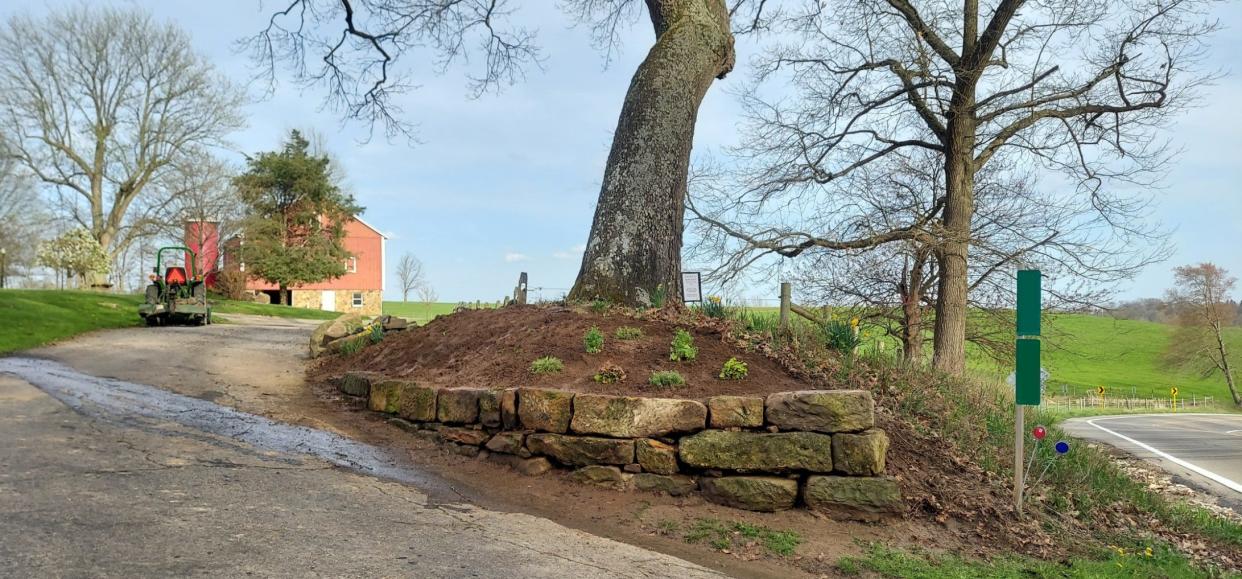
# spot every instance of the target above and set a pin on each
(175, 296)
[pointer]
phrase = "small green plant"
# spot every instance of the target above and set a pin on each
(682, 349)
(723, 536)
(599, 305)
(714, 308)
(547, 365)
(667, 527)
(377, 333)
(733, 369)
(593, 341)
(628, 333)
(658, 296)
(840, 336)
(610, 374)
(351, 347)
(665, 379)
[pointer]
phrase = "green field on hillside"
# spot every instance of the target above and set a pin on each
(31, 318)
(418, 312)
(1084, 352)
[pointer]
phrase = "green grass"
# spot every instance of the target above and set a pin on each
(546, 365)
(729, 536)
(1083, 352)
(219, 306)
(1155, 561)
(33, 318)
(419, 312)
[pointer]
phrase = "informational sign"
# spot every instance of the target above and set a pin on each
(691, 287)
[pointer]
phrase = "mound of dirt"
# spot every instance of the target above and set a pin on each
(494, 348)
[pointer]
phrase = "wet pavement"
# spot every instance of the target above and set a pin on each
(103, 477)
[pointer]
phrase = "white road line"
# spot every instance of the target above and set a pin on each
(1233, 432)
(1236, 487)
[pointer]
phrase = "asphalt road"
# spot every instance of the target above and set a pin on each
(1202, 449)
(106, 478)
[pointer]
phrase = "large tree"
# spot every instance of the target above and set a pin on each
(1076, 86)
(99, 103)
(1200, 299)
(636, 236)
(294, 229)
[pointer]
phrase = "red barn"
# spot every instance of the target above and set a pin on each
(360, 290)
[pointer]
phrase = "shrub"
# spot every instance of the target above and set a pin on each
(231, 284)
(547, 365)
(628, 333)
(610, 374)
(666, 379)
(593, 340)
(840, 336)
(682, 347)
(598, 306)
(733, 369)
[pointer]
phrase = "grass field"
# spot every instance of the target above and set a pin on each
(31, 318)
(1084, 352)
(418, 312)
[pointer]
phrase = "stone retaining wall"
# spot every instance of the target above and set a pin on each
(815, 448)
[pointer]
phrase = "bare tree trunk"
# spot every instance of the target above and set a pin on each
(1225, 366)
(949, 343)
(284, 295)
(912, 315)
(636, 236)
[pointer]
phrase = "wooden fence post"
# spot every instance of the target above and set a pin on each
(786, 291)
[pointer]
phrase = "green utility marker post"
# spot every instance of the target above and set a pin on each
(1027, 372)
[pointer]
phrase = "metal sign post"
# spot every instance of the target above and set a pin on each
(1027, 371)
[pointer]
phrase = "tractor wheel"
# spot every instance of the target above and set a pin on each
(153, 321)
(153, 294)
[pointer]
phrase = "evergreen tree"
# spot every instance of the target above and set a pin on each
(296, 215)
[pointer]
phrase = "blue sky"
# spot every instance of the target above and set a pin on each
(507, 183)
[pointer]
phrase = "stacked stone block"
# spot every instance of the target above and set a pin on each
(814, 448)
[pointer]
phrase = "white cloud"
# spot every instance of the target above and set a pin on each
(514, 256)
(572, 253)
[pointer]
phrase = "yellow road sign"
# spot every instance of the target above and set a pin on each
(1100, 390)
(1173, 390)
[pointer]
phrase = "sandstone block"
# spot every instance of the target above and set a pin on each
(506, 442)
(634, 417)
(735, 411)
(758, 451)
(545, 410)
(458, 405)
(527, 466)
(656, 457)
(356, 383)
(463, 435)
(860, 454)
(417, 403)
(489, 408)
(508, 409)
(866, 498)
(582, 450)
(676, 485)
(752, 493)
(601, 476)
(386, 396)
(822, 410)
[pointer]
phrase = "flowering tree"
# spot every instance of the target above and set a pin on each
(74, 253)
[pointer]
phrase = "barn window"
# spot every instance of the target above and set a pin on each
(353, 265)
(357, 299)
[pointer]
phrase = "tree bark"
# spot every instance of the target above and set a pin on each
(1225, 366)
(949, 342)
(636, 236)
(912, 312)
